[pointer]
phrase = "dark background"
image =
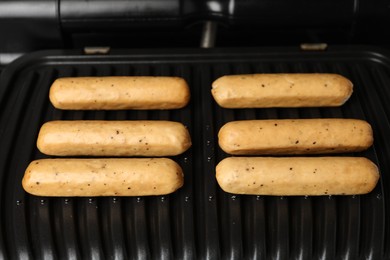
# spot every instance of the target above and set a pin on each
(27, 26)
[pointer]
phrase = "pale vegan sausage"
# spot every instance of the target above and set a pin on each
(113, 138)
(119, 92)
(102, 177)
(295, 136)
(297, 175)
(281, 90)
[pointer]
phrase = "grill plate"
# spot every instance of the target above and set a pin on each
(200, 220)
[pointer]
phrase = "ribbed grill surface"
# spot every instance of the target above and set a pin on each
(200, 220)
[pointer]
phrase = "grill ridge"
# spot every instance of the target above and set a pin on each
(199, 220)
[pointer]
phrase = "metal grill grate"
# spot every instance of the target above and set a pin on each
(200, 220)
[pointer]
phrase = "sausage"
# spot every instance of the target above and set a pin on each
(295, 136)
(116, 93)
(297, 175)
(102, 177)
(113, 138)
(281, 90)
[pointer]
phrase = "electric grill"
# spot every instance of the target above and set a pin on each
(50, 39)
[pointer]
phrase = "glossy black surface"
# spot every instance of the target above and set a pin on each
(68, 24)
(200, 220)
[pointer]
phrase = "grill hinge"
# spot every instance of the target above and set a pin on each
(314, 46)
(209, 33)
(96, 50)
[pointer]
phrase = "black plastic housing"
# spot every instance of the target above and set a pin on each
(33, 25)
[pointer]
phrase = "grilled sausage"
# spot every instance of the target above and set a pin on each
(295, 136)
(281, 90)
(297, 175)
(115, 93)
(102, 177)
(113, 138)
